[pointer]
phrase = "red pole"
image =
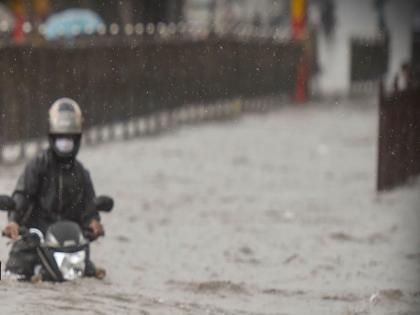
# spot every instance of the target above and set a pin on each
(298, 11)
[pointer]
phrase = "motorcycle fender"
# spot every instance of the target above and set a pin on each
(50, 268)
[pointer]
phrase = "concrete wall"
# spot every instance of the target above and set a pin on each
(400, 18)
(355, 17)
(359, 18)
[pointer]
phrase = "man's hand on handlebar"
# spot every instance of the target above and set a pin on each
(97, 228)
(12, 231)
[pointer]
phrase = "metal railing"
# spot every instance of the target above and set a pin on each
(369, 62)
(399, 138)
(161, 31)
(121, 81)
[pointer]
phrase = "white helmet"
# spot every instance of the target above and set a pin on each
(65, 129)
(65, 117)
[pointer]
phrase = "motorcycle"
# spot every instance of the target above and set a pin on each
(62, 254)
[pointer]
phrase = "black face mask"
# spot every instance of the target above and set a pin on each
(65, 147)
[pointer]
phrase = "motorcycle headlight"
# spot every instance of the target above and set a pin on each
(71, 265)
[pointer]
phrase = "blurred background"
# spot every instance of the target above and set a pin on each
(130, 59)
(285, 179)
(389, 28)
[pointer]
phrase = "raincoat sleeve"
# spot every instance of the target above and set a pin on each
(89, 213)
(26, 190)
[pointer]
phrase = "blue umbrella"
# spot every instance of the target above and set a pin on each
(71, 23)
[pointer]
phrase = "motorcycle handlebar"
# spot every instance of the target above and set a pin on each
(104, 203)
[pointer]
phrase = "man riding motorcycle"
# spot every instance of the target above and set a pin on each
(54, 186)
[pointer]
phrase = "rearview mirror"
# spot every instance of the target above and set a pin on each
(104, 203)
(6, 203)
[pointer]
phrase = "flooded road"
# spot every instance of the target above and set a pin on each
(268, 214)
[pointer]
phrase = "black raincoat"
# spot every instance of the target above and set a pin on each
(49, 191)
